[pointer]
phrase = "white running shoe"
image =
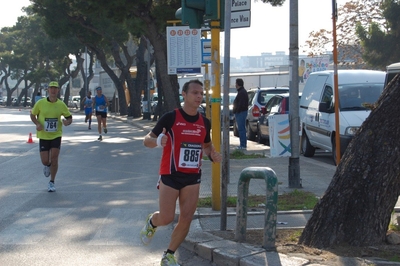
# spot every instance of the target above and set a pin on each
(51, 187)
(148, 231)
(168, 259)
(46, 171)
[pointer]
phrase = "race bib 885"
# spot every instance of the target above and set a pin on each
(189, 155)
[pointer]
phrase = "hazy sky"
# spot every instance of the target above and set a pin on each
(269, 30)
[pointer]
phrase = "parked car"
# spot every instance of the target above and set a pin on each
(74, 102)
(278, 104)
(391, 71)
(232, 96)
(258, 97)
(14, 101)
(153, 103)
(28, 101)
(317, 108)
(201, 109)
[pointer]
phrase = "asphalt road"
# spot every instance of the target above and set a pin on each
(105, 190)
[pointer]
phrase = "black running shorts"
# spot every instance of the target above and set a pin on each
(102, 114)
(179, 182)
(46, 145)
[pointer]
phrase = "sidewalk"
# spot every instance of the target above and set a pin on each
(315, 178)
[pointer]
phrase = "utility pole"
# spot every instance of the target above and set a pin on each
(336, 82)
(194, 14)
(294, 121)
(225, 132)
(215, 112)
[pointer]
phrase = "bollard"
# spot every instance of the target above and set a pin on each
(271, 181)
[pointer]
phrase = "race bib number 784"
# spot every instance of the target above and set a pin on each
(50, 124)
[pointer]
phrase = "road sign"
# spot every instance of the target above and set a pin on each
(240, 19)
(240, 5)
(206, 51)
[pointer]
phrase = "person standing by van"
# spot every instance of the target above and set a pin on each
(88, 105)
(240, 106)
(100, 104)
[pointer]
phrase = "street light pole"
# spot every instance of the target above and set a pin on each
(294, 122)
(225, 132)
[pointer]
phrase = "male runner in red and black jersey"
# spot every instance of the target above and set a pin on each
(184, 135)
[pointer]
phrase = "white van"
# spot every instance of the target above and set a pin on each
(317, 112)
(391, 71)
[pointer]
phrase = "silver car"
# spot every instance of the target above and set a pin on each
(258, 97)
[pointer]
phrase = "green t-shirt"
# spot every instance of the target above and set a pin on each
(49, 116)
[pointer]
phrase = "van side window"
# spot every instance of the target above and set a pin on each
(327, 95)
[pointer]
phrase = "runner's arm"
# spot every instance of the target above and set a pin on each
(67, 121)
(36, 122)
(211, 153)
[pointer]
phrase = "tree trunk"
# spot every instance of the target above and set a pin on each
(170, 87)
(357, 205)
(122, 107)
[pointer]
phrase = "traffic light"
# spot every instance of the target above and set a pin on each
(194, 12)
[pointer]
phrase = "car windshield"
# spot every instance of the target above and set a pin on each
(265, 96)
(232, 96)
(355, 96)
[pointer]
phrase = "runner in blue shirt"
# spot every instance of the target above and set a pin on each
(88, 105)
(100, 104)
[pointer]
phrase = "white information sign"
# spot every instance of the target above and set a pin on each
(239, 5)
(183, 50)
(240, 19)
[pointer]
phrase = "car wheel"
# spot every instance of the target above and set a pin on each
(235, 130)
(250, 134)
(260, 138)
(306, 148)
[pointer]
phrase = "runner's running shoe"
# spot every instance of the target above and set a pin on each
(51, 187)
(46, 171)
(147, 232)
(105, 130)
(168, 259)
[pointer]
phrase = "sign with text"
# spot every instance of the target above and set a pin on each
(206, 51)
(240, 19)
(183, 50)
(239, 5)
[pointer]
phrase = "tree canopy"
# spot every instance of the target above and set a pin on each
(381, 41)
(353, 16)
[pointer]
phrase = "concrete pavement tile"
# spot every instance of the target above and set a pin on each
(230, 253)
(272, 259)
